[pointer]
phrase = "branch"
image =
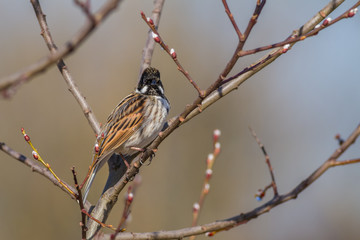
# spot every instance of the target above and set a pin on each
(45, 32)
(226, 224)
(157, 38)
(240, 78)
(212, 94)
(267, 160)
(197, 207)
(9, 84)
(36, 168)
(292, 39)
(81, 205)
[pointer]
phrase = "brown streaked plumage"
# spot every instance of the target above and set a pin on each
(135, 122)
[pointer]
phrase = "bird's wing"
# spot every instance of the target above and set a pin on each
(125, 119)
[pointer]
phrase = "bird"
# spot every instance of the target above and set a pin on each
(133, 124)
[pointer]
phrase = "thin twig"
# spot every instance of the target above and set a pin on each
(150, 43)
(81, 205)
(171, 52)
(97, 221)
(37, 157)
(234, 82)
(208, 174)
(35, 168)
(232, 20)
(73, 88)
(295, 38)
(128, 201)
(85, 7)
(267, 159)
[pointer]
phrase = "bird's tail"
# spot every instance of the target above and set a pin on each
(89, 182)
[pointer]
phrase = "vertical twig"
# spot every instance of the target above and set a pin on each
(81, 205)
(208, 173)
(150, 43)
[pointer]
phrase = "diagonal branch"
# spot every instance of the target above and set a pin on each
(226, 224)
(35, 168)
(9, 84)
(292, 39)
(73, 88)
(261, 63)
(232, 20)
(171, 52)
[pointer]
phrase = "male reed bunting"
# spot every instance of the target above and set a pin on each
(135, 122)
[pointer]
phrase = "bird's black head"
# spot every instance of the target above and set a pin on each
(150, 83)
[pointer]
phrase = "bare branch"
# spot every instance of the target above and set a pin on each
(157, 38)
(260, 64)
(9, 84)
(226, 224)
(232, 20)
(150, 43)
(267, 159)
(81, 205)
(35, 168)
(296, 38)
(73, 88)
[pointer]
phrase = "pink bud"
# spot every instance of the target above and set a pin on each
(149, 20)
(285, 48)
(217, 148)
(96, 148)
(352, 12)
(35, 155)
(209, 234)
(208, 173)
(206, 188)
(173, 53)
(210, 158)
(196, 207)
(216, 135)
(130, 197)
(327, 21)
(27, 138)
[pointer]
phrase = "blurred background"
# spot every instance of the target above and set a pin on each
(296, 106)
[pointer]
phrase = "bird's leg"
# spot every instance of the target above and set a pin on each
(126, 163)
(143, 150)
